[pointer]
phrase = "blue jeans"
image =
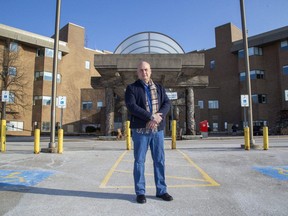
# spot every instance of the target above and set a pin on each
(141, 143)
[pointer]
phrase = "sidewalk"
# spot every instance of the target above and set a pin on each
(205, 177)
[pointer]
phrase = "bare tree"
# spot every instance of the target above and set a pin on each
(13, 80)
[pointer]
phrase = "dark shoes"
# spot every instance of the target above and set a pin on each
(165, 197)
(141, 199)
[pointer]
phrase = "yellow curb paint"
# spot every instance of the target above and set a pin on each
(109, 174)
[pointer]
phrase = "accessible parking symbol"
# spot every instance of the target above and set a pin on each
(278, 172)
(22, 177)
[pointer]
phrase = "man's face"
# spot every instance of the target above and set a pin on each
(144, 72)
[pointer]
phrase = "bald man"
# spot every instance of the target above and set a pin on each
(148, 105)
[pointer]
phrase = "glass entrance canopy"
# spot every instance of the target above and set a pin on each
(149, 43)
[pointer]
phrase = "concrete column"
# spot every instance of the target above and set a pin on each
(124, 116)
(190, 112)
(110, 106)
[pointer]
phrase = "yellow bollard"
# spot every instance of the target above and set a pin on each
(174, 134)
(37, 141)
(3, 135)
(128, 135)
(60, 141)
(247, 138)
(265, 138)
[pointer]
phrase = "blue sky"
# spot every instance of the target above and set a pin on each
(108, 22)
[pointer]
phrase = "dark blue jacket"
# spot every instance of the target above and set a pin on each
(135, 100)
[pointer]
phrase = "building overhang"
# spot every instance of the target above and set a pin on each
(171, 70)
(262, 39)
(31, 38)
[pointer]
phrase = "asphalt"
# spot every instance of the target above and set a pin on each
(213, 176)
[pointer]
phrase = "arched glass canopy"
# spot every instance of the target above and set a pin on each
(149, 43)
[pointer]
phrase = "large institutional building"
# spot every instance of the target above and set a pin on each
(26, 71)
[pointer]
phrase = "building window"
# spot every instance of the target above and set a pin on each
(213, 104)
(212, 64)
(12, 71)
(45, 126)
(285, 70)
(201, 104)
(215, 126)
(46, 76)
(254, 74)
(13, 47)
(87, 65)
(11, 97)
(99, 104)
(284, 44)
(259, 98)
(47, 52)
(251, 51)
(15, 126)
(46, 100)
(87, 105)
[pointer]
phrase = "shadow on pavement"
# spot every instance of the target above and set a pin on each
(61, 192)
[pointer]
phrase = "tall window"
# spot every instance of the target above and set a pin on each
(45, 126)
(213, 104)
(13, 47)
(87, 105)
(12, 71)
(87, 65)
(11, 97)
(212, 64)
(284, 44)
(259, 98)
(285, 70)
(99, 104)
(46, 100)
(201, 104)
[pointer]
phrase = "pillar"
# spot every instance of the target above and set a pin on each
(190, 112)
(124, 116)
(109, 123)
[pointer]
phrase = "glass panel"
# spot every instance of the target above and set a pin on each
(138, 41)
(12, 71)
(13, 46)
(47, 76)
(285, 70)
(49, 52)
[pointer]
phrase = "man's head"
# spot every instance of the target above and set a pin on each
(144, 71)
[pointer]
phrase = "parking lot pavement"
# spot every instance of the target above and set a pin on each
(212, 176)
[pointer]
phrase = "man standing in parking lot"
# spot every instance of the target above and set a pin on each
(148, 105)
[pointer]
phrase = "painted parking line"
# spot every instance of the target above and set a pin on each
(277, 172)
(22, 177)
(201, 180)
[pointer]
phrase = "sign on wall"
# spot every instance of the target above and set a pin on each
(286, 95)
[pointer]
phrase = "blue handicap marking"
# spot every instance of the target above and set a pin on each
(23, 177)
(278, 172)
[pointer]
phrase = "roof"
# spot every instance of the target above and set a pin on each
(262, 39)
(31, 38)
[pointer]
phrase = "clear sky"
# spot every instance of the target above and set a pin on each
(108, 22)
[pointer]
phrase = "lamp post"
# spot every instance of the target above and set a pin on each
(54, 77)
(247, 66)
